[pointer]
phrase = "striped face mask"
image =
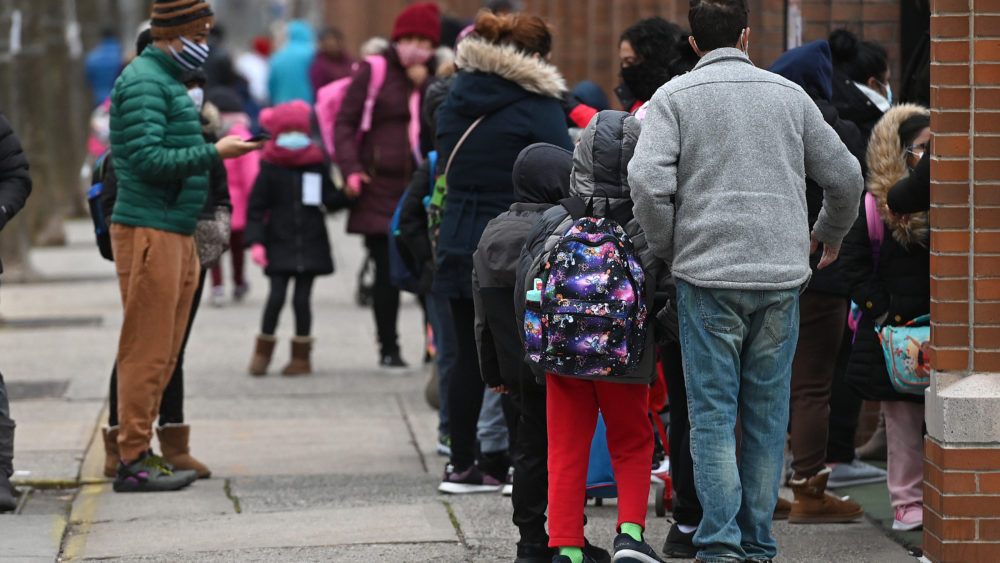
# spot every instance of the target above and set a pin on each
(192, 56)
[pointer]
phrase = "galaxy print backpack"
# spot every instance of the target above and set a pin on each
(585, 315)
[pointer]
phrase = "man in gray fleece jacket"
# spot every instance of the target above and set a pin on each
(718, 180)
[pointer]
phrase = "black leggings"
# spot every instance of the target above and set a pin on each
(386, 298)
(172, 403)
(300, 303)
(465, 387)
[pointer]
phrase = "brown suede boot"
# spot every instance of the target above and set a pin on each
(262, 354)
(174, 444)
(111, 460)
(299, 365)
(781, 510)
(813, 505)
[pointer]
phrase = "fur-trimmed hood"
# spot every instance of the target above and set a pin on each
(531, 73)
(887, 165)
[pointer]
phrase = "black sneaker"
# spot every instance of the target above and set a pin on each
(8, 495)
(679, 545)
(533, 553)
(627, 550)
(469, 481)
(597, 554)
(151, 473)
(393, 360)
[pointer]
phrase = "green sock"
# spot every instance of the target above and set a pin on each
(633, 530)
(575, 554)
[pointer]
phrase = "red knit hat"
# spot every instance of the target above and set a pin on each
(422, 18)
(289, 116)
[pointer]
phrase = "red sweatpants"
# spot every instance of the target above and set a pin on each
(572, 417)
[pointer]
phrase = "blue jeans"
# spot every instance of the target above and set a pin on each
(439, 315)
(737, 348)
(491, 430)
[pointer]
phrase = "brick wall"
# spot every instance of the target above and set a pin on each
(965, 241)
(961, 500)
(962, 484)
(587, 31)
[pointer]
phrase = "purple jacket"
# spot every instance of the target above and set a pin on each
(384, 153)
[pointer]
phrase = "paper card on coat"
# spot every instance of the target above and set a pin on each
(312, 189)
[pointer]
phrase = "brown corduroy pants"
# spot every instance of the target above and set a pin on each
(157, 275)
(822, 317)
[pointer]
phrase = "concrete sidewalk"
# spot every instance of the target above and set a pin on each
(338, 466)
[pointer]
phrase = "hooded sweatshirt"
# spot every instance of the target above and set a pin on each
(600, 171)
(541, 178)
(289, 79)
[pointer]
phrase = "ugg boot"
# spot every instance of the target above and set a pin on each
(111, 456)
(8, 496)
(813, 505)
(174, 443)
(300, 365)
(781, 509)
(262, 354)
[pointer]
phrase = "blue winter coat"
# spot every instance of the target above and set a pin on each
(102, 67)
(520, 96)
(289, 79)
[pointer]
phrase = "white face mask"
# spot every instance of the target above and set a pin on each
(293, 140)
(197, 95)
(746, 43)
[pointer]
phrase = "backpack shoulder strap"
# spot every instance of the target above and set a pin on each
(375, 82)
(876, 229)
(576, 206)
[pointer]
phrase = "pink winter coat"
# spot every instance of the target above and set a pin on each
(242, 171)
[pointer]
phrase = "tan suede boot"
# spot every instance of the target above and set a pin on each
(262, 354)
(299, 365)
(111, 458)
(813, 505)
(174, 444)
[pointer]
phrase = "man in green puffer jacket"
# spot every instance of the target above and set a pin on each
(162, 163)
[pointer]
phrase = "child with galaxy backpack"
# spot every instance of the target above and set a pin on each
(585, 290)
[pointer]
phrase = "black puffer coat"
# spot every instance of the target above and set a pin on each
(900, 286)
(294, 234)
(854, 105)
(15, 182)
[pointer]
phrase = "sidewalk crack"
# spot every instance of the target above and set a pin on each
(229, 494)
(413, 435)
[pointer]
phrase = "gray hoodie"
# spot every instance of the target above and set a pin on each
(719, 176)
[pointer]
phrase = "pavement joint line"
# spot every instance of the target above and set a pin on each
(229, 494)
(413, 435)
(455, 524)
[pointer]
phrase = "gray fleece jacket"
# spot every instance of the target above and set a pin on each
(719, 176)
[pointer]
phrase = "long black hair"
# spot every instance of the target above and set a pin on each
(859, 60)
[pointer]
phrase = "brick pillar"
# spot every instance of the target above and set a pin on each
(962, 465)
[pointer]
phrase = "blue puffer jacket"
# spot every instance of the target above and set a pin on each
(520, 95)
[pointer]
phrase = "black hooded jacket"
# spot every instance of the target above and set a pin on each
(541, 178)
(15, 182)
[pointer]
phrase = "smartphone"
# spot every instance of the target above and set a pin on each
(259, 138)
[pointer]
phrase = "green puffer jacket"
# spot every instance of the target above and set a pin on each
(161, 159)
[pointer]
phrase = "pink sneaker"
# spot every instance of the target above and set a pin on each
(909, 517)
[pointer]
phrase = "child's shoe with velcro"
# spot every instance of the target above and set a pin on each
(150, 473)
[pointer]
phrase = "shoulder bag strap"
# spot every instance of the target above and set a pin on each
(458, 145)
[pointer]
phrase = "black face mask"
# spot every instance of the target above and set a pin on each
(641, 81)
(625, 97)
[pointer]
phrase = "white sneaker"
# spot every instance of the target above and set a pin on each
(508, 486)
(218, 298)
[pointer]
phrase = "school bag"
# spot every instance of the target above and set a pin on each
(329, 98)
(600, 474)
(587, 316)
(101, 202)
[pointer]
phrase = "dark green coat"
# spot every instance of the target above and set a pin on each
(159, 154)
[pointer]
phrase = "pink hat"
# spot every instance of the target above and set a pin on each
(289, 116)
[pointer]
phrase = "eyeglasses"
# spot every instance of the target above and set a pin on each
(918, 150)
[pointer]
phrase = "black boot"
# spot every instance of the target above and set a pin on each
(8, 496)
